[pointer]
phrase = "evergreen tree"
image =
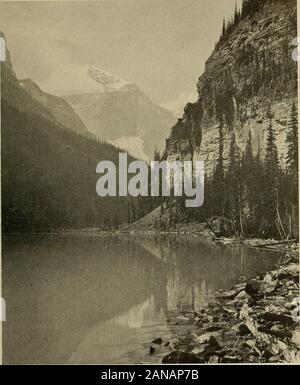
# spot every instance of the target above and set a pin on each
(223, 28)
(249, 7)
(236, 15)
(248, 171)
(258, 203)
(271, 157)
(290, 184)
(292, 140)
(156, 155)
(251, 177)
(116, 222)
(218, 177)
(234, 187)
(271, 180)
(249, 158)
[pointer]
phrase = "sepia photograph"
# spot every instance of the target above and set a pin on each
(149, 184)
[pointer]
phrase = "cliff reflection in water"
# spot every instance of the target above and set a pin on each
(195, 269)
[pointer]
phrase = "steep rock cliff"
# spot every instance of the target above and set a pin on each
(250, 70)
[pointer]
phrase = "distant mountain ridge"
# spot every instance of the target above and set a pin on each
(48, 169)
(114, 109)
(60, 109)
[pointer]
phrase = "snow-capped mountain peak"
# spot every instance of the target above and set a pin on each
(106, 79)
(82, 79)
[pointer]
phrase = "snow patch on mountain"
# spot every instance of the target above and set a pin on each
(75, 79)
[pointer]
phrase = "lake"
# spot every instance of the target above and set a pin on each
(84, 298)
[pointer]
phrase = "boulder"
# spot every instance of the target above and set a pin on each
(243, 295)
(281, 318)
(178, 357)
(152, 350)
(221, 226)
(206, 343)
(243, 329)
(253, 287)
(157, 341)
(213, 360)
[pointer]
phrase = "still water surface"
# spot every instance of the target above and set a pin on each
(92, 299)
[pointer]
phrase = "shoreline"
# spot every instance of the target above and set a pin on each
(254, 322)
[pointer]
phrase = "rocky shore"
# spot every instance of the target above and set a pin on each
(257, 321)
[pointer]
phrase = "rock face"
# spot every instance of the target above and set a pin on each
(176, 105)
(250, 70)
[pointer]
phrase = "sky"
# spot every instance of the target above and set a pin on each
(160, 45)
